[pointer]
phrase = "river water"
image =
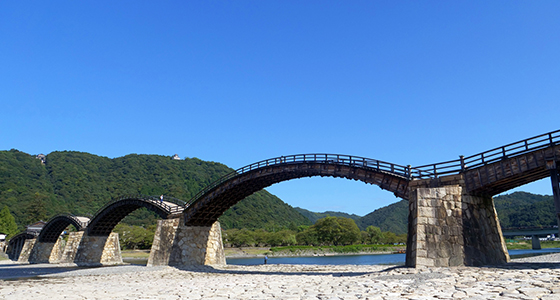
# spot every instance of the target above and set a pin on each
(365, 259)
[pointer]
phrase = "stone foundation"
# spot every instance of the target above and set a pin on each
(98, 250)
(46, 252)
(26, 250)
(449, 228)
(71, 248)
(178, 245)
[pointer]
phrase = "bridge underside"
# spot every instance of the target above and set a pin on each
(105, 221)
(206, 211)
(52, 230)
(509, 173)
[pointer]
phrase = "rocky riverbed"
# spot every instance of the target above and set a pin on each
(528, 278)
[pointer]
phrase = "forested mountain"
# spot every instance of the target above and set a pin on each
(522, 209)
(392, 218)
(81, 183)
(314, 216)
(519, 209)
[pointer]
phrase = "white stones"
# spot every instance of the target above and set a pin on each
(292, 282)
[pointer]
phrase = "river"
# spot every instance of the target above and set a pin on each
(365, 259)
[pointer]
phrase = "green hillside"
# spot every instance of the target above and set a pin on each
(314, 216)
(392, 218)
(81, 183)
(522, 209)
(519, 209)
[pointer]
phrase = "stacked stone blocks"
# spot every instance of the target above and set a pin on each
(178, 245)
(450, 228)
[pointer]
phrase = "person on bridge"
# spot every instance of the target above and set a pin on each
(161, 199)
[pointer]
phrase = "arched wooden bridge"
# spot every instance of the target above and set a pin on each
(113, 212)
(56, 225)
(481, 175)
(487, 173)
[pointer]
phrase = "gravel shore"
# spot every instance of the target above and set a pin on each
(527, 278)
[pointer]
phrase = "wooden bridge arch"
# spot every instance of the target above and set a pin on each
(113, 212)
(210, 203)
(16, 244)
(55, 226)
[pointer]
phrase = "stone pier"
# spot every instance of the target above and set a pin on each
(96, 250)
(26, 250)
(178, 245)
(447, 227)
(71, 248)
(46, 252)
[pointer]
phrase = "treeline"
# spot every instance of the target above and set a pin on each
(329, 231)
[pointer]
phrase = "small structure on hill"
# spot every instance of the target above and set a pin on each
(176, 157)
(42, 157)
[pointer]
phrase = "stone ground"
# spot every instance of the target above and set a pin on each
(529, 278)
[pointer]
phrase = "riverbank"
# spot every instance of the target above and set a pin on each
(530, 278)
(248, 252)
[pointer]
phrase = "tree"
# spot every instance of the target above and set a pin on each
(374, 235)
(8, 224)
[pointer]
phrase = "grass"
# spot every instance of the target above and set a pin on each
(250, 251)
(528, 245)
(135, 254)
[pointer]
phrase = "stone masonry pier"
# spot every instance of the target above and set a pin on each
(448, 227)
(176, 244)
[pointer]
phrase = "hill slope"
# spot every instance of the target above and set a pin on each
(81, 183)
(519, 209)
(314, 216)
(392, 218)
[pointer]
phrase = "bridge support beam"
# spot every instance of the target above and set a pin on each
(94, 250)
(46, 252)
(535, 242)
(450, 228)
(178, 245)
(555, 189)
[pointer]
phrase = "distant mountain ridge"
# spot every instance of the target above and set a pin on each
(518, 209)
(314, 216)
(80, 183)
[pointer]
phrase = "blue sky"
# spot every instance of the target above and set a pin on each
(236, 82)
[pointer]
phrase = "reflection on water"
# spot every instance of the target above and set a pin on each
(366, 259)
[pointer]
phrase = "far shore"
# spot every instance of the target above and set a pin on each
(254, 252)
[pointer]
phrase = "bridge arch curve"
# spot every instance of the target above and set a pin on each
(16, 244)
(57, 224)
(112, 213)
(210, 203)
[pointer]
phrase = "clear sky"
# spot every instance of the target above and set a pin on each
(408, 82)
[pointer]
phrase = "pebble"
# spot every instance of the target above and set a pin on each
(528, 278)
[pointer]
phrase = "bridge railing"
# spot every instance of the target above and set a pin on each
(153, 199)
(338, 159)
(474, 161)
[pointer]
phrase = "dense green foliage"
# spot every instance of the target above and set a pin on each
(81, 183)
(392, 218)
(8, 224)
(314, 216)
(522, 209)
(329, 231)
(135, 237)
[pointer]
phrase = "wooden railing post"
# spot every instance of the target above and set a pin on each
(462, 158)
